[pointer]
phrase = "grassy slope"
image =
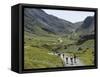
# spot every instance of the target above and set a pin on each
(86, 55)
(37, 56)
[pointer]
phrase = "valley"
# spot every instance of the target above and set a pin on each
(44, 52)
(51, 42)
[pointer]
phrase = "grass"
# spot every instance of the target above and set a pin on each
(86, 55)
(38, 57)
(38, 47)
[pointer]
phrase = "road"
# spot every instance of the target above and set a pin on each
(78, 61)
(63, 57)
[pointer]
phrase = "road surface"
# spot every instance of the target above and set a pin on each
(78, 61)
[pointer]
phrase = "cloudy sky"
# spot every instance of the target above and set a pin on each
(72, 16)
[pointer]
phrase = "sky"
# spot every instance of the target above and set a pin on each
(72, 16)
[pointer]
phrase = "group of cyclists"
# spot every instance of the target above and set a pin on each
(71, 59)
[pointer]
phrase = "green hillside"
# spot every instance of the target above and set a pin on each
(37, 56)
(37, 49)
(47, 38)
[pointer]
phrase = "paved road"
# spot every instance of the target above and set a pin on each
(78, 61)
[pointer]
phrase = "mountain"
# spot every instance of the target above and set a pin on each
(87, 26)
(77, 24)
(36, 21)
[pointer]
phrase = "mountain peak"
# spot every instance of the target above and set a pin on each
(88, 21)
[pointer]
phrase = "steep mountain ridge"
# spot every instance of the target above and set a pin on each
(87, 26)
(45, 22)
(37, 21)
